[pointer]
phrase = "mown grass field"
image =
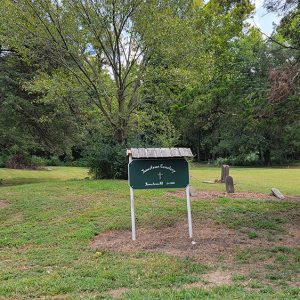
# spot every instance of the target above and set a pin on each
(52, 216)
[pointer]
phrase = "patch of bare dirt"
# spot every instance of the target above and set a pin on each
(118, 293)
(219, 277)
(3, 204)
(215, 278)
(212, 241)
(239, 195)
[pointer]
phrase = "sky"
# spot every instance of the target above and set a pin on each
(263, 19)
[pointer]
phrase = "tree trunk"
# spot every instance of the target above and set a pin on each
(260, 155)
(121, 132)
(267, 157)
(198, 148)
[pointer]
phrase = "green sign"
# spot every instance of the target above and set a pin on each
(158, 173)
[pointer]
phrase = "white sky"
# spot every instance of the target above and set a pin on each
(263, 19)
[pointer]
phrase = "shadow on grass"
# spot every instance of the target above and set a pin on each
(23, 181)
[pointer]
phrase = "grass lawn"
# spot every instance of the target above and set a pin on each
(51, 217)
(287, 180)
(15, 177)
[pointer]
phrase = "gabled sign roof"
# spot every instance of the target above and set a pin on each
(159, 152)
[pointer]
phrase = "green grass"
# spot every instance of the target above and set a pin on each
(280, 264)
(250, 179)
(257, 214)
(224, 293)
(52, 216)
(14, 177)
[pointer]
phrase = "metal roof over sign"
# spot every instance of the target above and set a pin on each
(137, 153)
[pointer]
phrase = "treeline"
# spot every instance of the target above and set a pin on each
(82, 80)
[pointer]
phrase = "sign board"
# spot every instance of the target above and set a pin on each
(158, 173)
(156, 168)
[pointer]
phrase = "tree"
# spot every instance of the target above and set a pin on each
(105, 45)
(285, 79)
(185, 93)
(30, 124)
(231, 117)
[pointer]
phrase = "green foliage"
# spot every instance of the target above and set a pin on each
(251, 159)
(152, 128)
(252, 235)
(174, 72)
(29, 122)
(106, 58)
(37, 162)
(231, 117)
(53, 161)
(106, 159)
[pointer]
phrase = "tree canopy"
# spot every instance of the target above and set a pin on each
(75, 75)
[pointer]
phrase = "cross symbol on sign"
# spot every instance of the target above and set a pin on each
(160, 175)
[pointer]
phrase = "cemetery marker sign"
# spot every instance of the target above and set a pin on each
(152, 168)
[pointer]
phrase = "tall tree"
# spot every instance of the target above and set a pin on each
(285, 79)
(27, 123)
(105, 44)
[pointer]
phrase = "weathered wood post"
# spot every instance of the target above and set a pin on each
(229, 184)
(224, 172)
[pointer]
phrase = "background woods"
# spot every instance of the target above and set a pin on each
(81, 80)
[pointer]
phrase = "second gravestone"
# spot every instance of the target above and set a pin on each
(224, 172)
(229, 184)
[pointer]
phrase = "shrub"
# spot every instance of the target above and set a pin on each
(18, 161)
(37, 162)
(106, 159)
(54, 161)
(251, 159)
(3, 160)
(221, 161)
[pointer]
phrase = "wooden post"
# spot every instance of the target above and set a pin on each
(133, 235)
(188, 202)
(224, 172)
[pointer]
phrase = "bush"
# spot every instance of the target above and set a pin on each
(3, 160)
(79, 163)
(37, 162)
(24, 161)
(221, 161)
(106, 159)
(54, 161)
(18, 161)
(251, 159)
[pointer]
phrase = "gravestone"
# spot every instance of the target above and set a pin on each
(277, 193)
(224, 172)
(229, 184)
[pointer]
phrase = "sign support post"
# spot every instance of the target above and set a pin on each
(188, 202)
(133, 236)
(132, 215)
